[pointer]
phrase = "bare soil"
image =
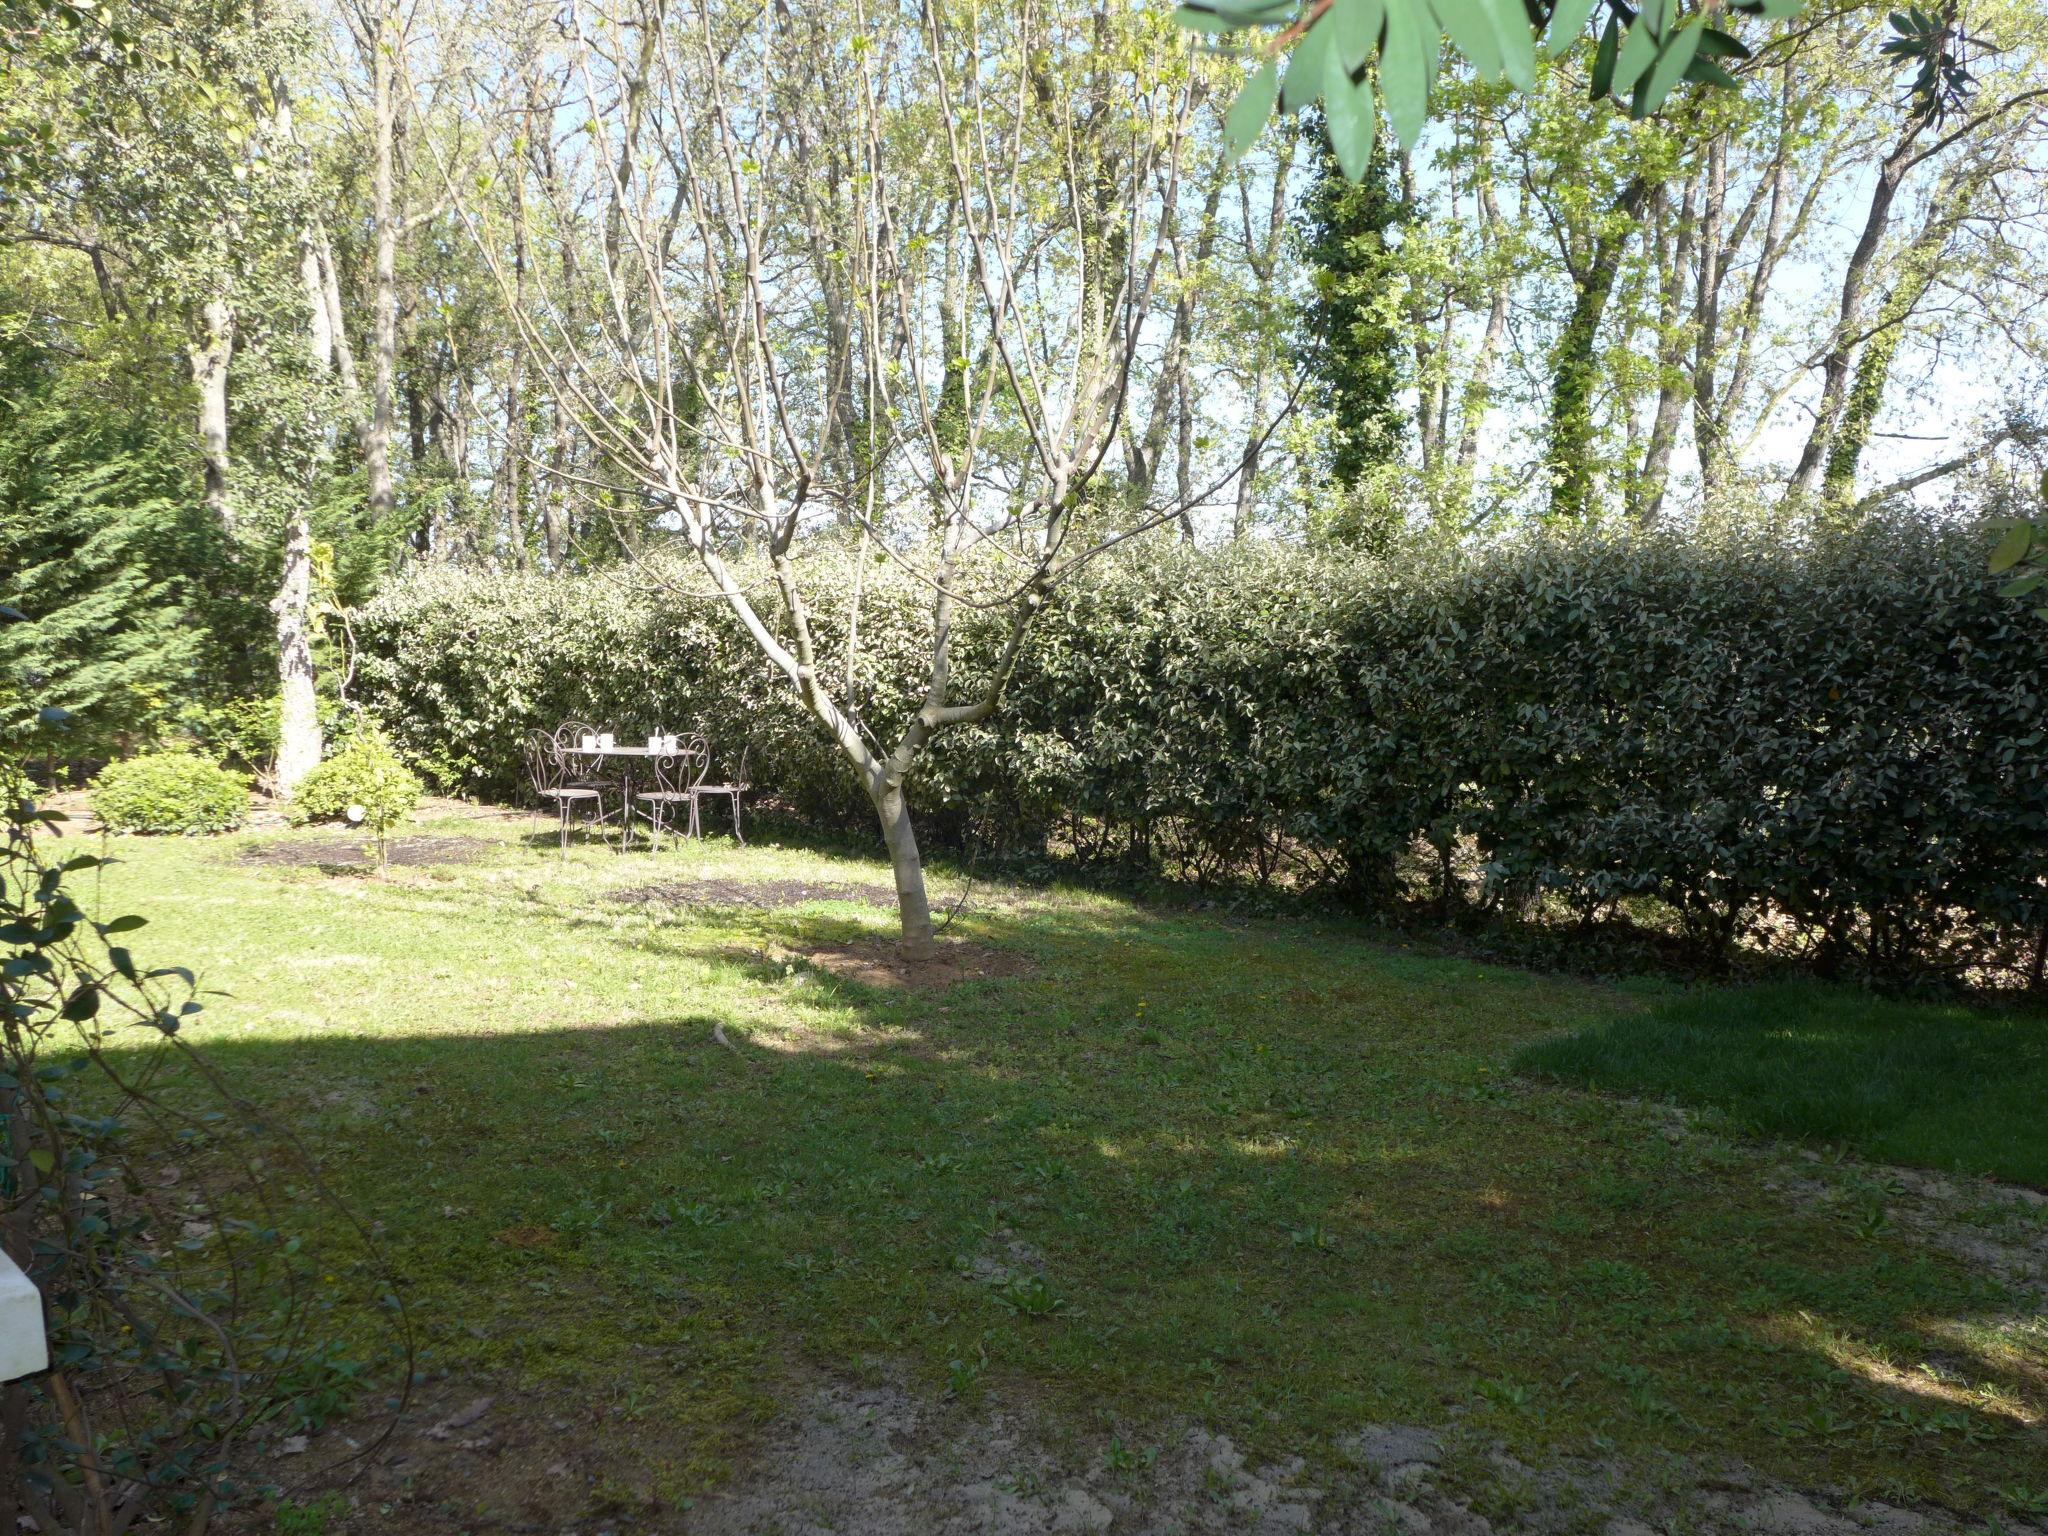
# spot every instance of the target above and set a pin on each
(882, 963)
(768, 895)
(872, 1459)
(358, 852)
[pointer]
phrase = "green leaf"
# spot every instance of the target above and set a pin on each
(1638, 53)
(1603, 58)
(1404, 72)
(2024, 585)
(1672, 61)
(2011, 549)
(1248, 114)
(1352, 118)
(1704, 71)
(1197, 20)
(1358, 24)
(1471, 29)
(1718, 44)
(1566, 22)
(1304, 80)
(1517, 43)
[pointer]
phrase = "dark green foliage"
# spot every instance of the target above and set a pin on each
(365, 772)
(169, 792)
(1351, 332)
(97, 528)
(1883, 1076)
(1845, 736)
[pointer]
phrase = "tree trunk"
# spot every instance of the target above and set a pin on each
(210, 358)
(1575, 362)
(384, 277)
(1646, 497)
(911, 904)
(1478, 393)
(1834, 368)
(1914, 275)
(1706, 338)
(298, 736)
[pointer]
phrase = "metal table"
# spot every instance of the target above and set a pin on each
(597, 756)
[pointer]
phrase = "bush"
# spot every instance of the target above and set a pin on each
(1828, 745)
(169, 792)
(367, 772)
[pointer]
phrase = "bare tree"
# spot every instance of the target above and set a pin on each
(987, 256)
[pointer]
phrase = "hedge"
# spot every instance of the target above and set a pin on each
(1831, 744)
(169, 792)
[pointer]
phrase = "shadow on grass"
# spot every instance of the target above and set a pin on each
(1932, 1084)
(1271, 1182)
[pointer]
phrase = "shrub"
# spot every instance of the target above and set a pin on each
(365, 771)
(169, 792)
(1828, 744)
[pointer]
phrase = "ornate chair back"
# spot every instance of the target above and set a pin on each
(680, 771)
(543, 764)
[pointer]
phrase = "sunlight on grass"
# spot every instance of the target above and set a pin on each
(1295, 1191)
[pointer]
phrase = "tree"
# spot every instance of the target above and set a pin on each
(994, 222)
(97, 527)
(1352, 337)
(177, 169)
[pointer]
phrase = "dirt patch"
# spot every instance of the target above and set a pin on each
(768, 895)
(882, 963)
(356, 853)
(874, 1459)
(865, 1460)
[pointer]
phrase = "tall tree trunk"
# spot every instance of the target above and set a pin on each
(209, 357)
(384, 271)
(1706, 428)
(1478, 393)
(298, 736)
(509, 485)
(299, 744)
(320, 323)
(1835, 363)
(912, 905)
(1575, 366)
(1646, 496)
(1914, 274)
(1429, 424)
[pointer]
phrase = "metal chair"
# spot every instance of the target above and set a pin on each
(676, 777)
(734, 784)
(551, 786)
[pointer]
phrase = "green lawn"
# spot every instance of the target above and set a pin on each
(1277, 1178)
(1938, 1085)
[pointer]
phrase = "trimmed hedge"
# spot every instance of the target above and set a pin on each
(1833, 745)
(174, 792)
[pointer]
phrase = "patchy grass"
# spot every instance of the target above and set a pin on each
(1273, 1178)
(1936, 1085)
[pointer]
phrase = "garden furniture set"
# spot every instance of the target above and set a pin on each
(588, 774)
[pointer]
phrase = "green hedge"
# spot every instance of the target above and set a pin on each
(174, 792)
(1832, 745)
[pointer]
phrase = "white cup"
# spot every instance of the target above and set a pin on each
(605, 740)
(589, 741)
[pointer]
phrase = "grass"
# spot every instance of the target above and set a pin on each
(1936, 1085)
(1275, 1178)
